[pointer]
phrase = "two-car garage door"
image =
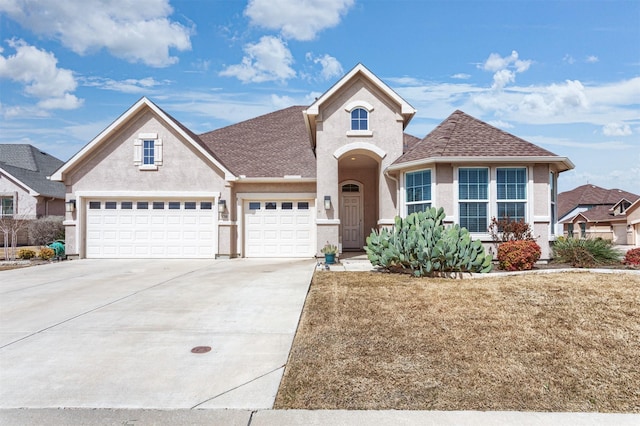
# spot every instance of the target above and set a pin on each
(151, 229)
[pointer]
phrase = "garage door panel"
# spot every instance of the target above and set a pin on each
(138, 232)
(283, 231)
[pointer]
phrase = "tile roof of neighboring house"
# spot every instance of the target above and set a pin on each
(272, 145)
(31, 167)
(408, 142)
(601, 214)
(591, 195)
(461, 135)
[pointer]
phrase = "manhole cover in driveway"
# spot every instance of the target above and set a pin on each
(201, 349)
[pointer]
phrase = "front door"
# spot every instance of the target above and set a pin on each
(351, 221)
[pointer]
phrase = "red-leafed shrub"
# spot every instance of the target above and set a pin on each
(519, 255)
(632, 257)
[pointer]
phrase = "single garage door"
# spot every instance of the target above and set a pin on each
(150, 229)
(279, 228)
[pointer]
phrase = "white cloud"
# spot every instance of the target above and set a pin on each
(505, 69)
(502, 78)
(592, 59)
(297, 19)
(38, 71)
(331, 67)
(461, 76)
(500, 124)
(616, 129)
(134, 30)
(130, 85)
(267, 60)
(568, 59)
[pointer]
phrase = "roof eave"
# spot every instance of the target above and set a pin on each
(284, 179)
(563, 161)
(58, 175)
(17, 181)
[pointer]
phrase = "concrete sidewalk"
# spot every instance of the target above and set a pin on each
(306, 417)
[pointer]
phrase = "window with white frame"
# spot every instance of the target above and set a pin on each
(359, 119)
(147, 151)
(6, 206)
(511, 193)
(473, 196)
(418, 191)
(148, 154)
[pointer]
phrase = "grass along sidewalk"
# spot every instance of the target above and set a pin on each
(552, 342)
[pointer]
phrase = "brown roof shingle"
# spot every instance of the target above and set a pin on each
(462, 135)
(272, 145)
(591, 195)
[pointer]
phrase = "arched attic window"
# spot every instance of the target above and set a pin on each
(359, 112)
(359, 119)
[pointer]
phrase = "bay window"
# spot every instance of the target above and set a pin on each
(473, 196)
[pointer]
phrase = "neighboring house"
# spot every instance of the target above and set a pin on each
(592, 211)
(285, 183)
(633, 223)
(25, 190)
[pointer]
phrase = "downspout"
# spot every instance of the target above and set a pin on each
(46, 206)
(386, 173)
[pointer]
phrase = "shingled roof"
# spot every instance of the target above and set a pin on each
(273, 145)
(31, 166)
(591, 195)
(462, 135)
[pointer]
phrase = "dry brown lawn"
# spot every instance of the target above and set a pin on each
(553, 342)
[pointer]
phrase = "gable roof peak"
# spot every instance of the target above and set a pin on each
(405, 108)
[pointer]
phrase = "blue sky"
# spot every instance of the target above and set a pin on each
(562, 74)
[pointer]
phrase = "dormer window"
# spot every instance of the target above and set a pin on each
(359, 112)
(359, 119)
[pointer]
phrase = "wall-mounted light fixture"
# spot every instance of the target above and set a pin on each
(327, 202)
(222, 206)
(70, 206)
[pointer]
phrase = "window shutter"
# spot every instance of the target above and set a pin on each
(158, 152)
(137, 152)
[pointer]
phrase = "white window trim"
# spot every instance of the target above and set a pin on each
(403, 191)
(490, 200)
(527, 190)
(493, 201)
(138, 151)
(367, 107)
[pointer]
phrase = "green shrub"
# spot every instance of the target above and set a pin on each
(632, 258)
(422, 244)
(520, 255)
(46, 253)
(585, 252)
(26, 254)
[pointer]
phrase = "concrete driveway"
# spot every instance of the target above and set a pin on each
(119, 333)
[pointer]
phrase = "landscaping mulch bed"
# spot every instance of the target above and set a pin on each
(550, 342)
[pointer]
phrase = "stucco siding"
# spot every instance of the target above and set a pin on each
(112, 166)
(25, 205)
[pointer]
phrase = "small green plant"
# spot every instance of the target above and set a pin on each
(46, 253)
(585, 252)
(329, 249)
(520, 255)
(632, 258)
(26, 254)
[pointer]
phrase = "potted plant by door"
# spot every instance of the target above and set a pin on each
(329, 251)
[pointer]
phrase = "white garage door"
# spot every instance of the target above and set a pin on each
(279, 228)
(150, 229)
